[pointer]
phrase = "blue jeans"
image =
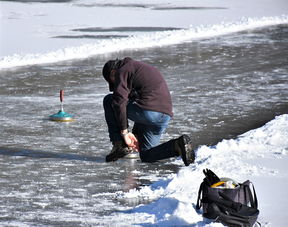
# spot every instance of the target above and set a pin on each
(148, 127)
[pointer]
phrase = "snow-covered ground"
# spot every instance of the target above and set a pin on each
(259, 155)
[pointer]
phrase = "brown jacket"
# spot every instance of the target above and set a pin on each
(144, 85)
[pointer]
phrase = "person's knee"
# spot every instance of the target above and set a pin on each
(107, 100)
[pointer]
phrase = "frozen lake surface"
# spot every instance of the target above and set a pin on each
(225, 79)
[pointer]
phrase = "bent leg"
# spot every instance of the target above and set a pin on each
(162, 151)
(149, 127)
(148, 135)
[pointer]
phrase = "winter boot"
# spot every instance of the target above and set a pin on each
(119, 150)
(184, 148)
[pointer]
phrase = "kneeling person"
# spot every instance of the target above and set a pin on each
(140, 94)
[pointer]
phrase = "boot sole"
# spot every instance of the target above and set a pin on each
(115, 156)
(184, 143)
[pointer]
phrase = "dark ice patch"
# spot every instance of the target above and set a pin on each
(150, 6)
(132, 5)
(187, 8)
(125, 29)
(11, 151)
(39, 1)
(116, 30)
(90, 36)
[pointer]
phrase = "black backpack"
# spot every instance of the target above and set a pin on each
(235, 207)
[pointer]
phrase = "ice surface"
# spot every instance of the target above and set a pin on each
(28, 31)
(28, 34)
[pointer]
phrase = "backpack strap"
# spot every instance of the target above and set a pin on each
(198, 205)
(231, 213)
(231, 220)
(219, 212)
(255, 197)
(224, 201)
(252, 197)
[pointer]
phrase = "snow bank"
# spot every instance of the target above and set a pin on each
(241, 159)
(139, 42)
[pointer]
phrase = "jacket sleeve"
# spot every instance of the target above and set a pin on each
(120, 98)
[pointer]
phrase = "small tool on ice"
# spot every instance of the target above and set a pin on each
(61, 116)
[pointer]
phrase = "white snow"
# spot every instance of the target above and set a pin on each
(259, 155)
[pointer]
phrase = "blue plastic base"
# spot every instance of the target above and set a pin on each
(61, 116)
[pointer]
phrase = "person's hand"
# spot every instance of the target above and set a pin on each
(131, 140)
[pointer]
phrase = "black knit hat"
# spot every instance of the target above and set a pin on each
(109, 65)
